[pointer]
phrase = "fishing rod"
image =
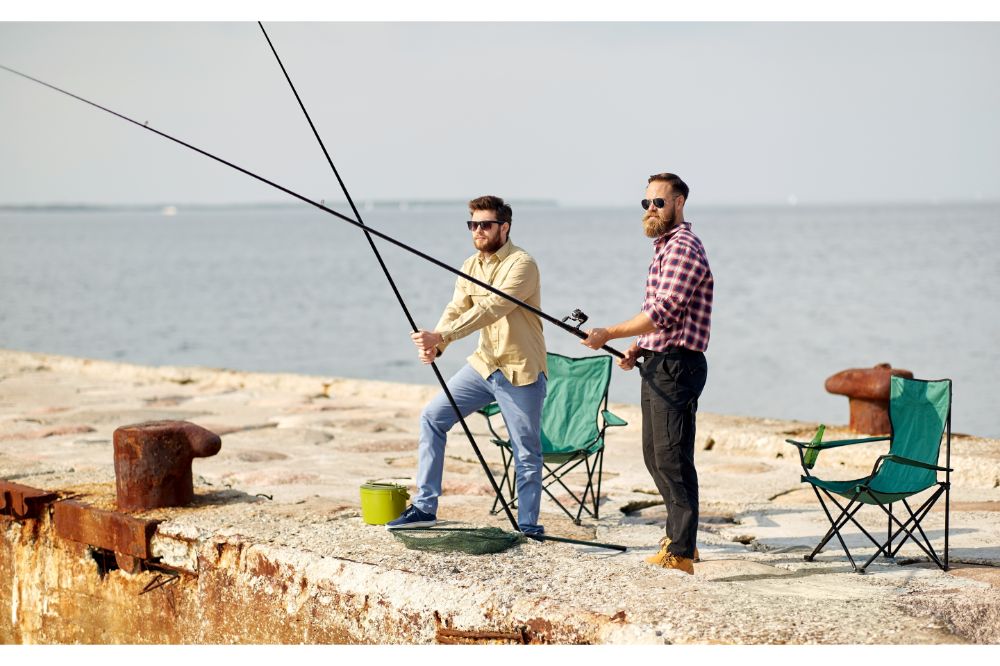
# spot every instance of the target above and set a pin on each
(369, 230)
(561, 323)
(388, 276)
(577, 315)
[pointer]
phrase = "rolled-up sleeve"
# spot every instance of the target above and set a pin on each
(679, 272)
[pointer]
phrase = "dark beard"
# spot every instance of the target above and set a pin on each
(655, 227)
(492, 245)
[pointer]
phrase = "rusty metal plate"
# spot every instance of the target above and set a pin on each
(109, 530)
(23, 502)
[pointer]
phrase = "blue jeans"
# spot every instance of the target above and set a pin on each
(521, 408)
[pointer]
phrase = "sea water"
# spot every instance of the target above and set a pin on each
(801, 293)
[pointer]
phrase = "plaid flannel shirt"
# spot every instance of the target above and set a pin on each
(679, 291)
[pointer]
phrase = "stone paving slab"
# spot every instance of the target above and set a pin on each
(296, 448)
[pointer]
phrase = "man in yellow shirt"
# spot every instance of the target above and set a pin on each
(508, 366)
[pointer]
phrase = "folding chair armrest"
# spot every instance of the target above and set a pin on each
(803, 447)
(489, 410)
(832, 444)
(907, 461)
(612, 420)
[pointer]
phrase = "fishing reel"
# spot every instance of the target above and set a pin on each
(578, 316)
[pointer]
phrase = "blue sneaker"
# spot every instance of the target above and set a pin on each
(412, 517)
(534, 530)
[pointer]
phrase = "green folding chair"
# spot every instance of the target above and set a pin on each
(920, 417)
(574, 419)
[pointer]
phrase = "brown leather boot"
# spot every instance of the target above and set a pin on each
(680, 563)
(658, 558)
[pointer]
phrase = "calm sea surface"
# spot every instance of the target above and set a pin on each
(801, 293)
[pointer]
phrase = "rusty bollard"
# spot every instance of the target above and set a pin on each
(153, 462)
(867, 391)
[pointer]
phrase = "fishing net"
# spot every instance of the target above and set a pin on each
(472, 540)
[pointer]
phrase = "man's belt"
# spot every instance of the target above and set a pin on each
(669, 351)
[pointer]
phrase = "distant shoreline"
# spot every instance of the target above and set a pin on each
(401, 204)
(429, 204)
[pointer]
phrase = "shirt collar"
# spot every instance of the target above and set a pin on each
(660, 240)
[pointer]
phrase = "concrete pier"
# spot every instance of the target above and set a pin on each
(273, 548)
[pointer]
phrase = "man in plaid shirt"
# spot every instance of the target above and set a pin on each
(673, 330)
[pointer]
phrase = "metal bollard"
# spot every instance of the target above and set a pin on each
(153, 462)
(867, 391)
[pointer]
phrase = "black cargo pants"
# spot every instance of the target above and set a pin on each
(672, 383)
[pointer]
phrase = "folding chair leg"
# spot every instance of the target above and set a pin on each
(600, 474)
(884, 548)
(595, 496)
(947, 510)
(923, 513)
(496, 500)
(915, 518)
(560, 504)
(507, 481)
(889, 531)
(589, 489)
(850, 517)
(829, 533)
(567, 467)
(834, 528)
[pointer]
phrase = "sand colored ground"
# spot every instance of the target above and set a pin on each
(296, 449)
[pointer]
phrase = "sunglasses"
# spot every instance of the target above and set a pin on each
(485, 224)
(657, 203)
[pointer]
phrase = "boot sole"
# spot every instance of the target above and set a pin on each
(424, 523)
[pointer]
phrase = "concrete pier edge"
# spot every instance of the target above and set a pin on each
(274, 550)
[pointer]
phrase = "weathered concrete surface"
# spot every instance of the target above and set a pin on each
(273, 548)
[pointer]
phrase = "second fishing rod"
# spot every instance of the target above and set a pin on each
(577, 315)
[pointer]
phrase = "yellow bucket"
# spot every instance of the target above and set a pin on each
(382, 502)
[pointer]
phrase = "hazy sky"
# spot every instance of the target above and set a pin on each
(747, 113)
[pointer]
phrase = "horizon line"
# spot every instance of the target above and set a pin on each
(405, 204)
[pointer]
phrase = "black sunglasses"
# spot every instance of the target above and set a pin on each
(485, 224)
(658, 203)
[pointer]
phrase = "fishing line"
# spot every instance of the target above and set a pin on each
(406, 311)
(368, 230)
(371, 230)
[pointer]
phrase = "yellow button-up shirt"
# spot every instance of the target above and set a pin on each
(511, 338)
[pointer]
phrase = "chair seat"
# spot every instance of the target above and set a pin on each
(559, 457)
(848, 489)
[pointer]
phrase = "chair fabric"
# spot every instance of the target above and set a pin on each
(920, 417)
(577, 390)
(574, 421)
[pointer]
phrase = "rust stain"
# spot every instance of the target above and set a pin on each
(264, 567)
(445, 634)
(539, 630)
(109, 530)
(448, 636)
